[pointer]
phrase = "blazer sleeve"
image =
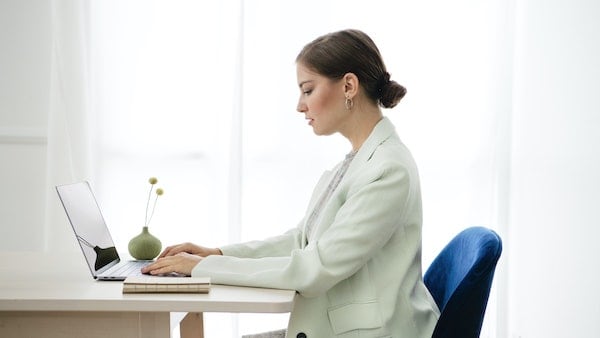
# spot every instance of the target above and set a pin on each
(275, 246)
(359, 229)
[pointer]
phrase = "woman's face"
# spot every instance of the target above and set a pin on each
(321, 101)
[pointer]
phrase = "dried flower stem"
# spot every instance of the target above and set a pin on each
(153, 208)
(146, 222)
(152, 181)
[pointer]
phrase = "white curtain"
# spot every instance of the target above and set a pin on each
(202, 95)
(69, 151)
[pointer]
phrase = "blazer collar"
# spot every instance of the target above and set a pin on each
(383, 130)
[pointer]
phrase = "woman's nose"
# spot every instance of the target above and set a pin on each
(301, 107)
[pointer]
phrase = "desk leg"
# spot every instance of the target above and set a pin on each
(192, 326)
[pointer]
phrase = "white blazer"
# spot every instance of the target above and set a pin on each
(359, 274)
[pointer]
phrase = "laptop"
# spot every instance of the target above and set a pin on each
(92, 234)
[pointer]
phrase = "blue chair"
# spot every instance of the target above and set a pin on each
(460, 279)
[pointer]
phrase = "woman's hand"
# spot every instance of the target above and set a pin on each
(189, 248)
(181, 263)
(180, 258)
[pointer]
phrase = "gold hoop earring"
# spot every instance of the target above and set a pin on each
(349, 103)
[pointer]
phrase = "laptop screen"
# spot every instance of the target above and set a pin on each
(88, 224)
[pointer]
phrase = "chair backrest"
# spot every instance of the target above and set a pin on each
(460, 279)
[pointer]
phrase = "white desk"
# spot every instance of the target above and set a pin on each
(40, 297)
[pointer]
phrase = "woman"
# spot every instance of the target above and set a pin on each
(355, 258)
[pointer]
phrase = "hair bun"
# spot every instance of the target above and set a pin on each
(383, 81)
(391, 93)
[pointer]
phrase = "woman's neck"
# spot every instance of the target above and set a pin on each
(360, 126)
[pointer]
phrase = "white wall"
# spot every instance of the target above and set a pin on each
(24, 97)
(554, 230)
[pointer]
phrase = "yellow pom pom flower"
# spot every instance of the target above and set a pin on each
(152, 180)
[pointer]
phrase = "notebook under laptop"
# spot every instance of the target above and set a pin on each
(92, 234)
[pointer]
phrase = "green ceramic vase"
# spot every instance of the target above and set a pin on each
(144, 246)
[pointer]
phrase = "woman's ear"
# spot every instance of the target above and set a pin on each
(350, 85)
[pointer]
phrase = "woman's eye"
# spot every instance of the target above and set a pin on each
(307, 92)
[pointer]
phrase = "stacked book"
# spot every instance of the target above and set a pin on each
(153, 284)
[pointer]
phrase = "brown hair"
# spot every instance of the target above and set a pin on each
(351, 51)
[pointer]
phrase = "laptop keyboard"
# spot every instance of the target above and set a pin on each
(129, 268)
